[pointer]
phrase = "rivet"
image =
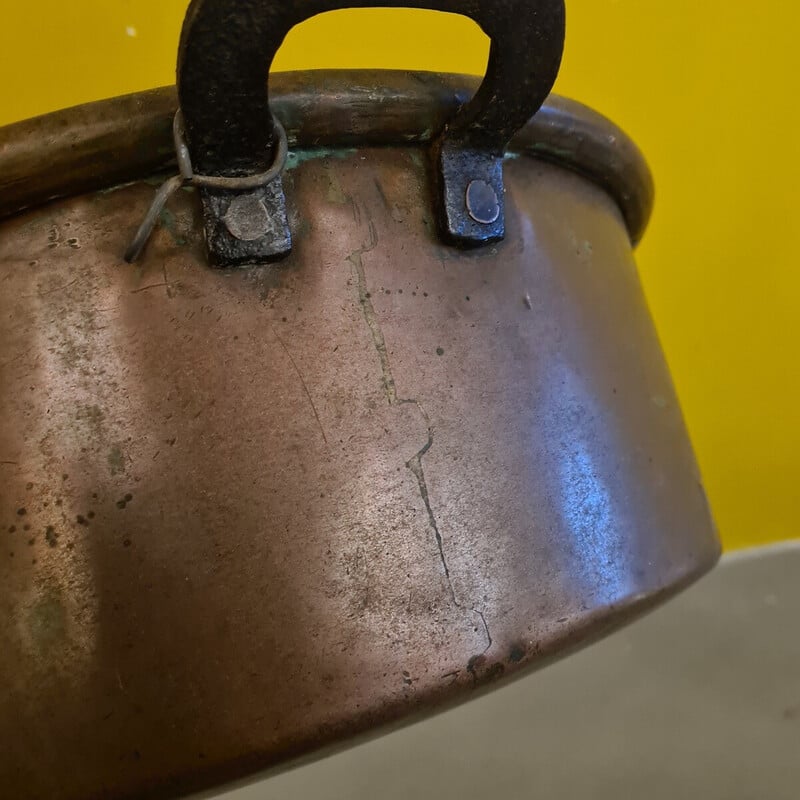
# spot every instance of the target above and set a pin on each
(482, 202)
(246, 218)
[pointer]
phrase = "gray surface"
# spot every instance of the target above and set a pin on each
(700, 699)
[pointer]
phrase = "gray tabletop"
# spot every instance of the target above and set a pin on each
(699, 699)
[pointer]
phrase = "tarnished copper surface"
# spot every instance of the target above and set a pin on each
(247, 514)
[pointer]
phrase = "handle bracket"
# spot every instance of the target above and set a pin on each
(227, 47)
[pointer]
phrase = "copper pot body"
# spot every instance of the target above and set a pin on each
(248, 514)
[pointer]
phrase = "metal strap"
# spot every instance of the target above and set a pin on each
(187, 177)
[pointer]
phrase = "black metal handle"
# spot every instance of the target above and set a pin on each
(227, 47)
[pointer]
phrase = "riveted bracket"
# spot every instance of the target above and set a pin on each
(227, 47)
(472, 196)
(246, 227)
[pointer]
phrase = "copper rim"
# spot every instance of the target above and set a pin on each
(100, 144)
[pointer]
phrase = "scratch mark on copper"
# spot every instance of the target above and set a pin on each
(149, 286)
(16, 358)
(166, 279)
(302, 382)
(58, 288)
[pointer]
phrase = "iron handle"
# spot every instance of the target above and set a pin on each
(227, 47)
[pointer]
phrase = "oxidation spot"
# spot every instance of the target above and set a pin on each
(47, 622)
(90, 515)
(59, 501)
(12, 528)
(116, 460)
(495, 671)
(64, 476)
(126, 542)
(33, 263)
(21, 512)
(31, 541)
(29, 486)
(121, 504)
(475, 663)
(81, 520)
(26, 526)
(407, 678)
(517, 654)
(440, 351)
(424, 294)
(128, 497)
(467, 298)
(50, 535)
(387, 291)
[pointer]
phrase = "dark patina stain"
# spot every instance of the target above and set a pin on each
(476, 667)
(517, 654)
(116, 460)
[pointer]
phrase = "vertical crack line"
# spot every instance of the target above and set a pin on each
(368, 311)
(415, 465)
(485, 627)
(390, 390)
(302, 382)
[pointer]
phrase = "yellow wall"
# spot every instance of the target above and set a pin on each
(706, 88)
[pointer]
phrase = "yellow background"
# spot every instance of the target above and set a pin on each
(708, 90)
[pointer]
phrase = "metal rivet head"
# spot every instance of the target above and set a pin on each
(246, 218)
(482, 202)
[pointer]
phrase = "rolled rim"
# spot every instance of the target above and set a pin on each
(98, 145)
